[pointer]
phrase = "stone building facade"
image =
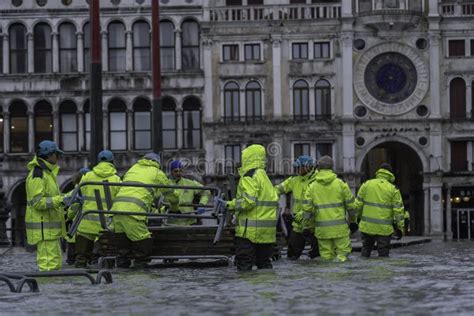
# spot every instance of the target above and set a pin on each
(364, 81)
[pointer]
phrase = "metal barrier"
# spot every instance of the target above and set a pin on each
(22, 280)
(27, 277)
(219, 212)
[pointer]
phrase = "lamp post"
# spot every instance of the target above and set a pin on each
(157, 135)
(95, 83)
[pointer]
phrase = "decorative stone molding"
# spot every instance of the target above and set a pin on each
(421, 88)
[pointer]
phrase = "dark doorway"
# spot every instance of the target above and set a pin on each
(17, 215)
(408, 170)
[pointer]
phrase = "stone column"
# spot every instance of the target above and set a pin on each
(437, 217)
(6, 54)
(433, 8)
(80, 52)
(31, 132)
(348, 147)
(469, 99)
(435, 87)
(208, 109)
(347, 80)
(105, 124)
(30, 52)
(449, 215)
(130, 131)
(179, 128)
(179, 62)
(426, 214)
(56, 127)
(55, 52)
(276, 62)
(129, 51)
(346, 8)
(105, 51)
(6, 132)
(80, 131)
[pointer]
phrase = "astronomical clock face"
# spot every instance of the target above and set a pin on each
(391, 79)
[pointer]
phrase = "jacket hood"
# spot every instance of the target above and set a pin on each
(43, 164)
(104, 169)
(325, 176)
(385, 174)
(253, 157)
(148, 163)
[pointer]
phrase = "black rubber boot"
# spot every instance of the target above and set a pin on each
(124, 251)
(83, 251)
(141, 250)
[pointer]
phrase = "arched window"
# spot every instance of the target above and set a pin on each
(67, 48)
(18, 127)
(43, 48)
(231, 102)
(301, 100)
(141, 46)
(18, 49)
(322, 94)
(87, 47)
(253, 101)
(43, 122)
(69, 127)
(117, 125)
(192, 123)
(87, 125)
(167, 45)
(169, 124)
(117, 47)
(142, 124)
(190, 45)
(457, 98)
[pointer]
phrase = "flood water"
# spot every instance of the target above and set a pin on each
(433, 278)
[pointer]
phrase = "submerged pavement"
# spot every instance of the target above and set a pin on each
(430, 278)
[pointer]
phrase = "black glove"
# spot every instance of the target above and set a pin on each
(353, 227)
(397, 234)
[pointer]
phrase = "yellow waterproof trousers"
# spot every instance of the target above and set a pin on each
(134, 229)
(49, 255)
(335, 248)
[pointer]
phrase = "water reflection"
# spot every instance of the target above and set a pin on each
(434, 278)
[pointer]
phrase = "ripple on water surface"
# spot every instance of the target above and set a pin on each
(433, 278)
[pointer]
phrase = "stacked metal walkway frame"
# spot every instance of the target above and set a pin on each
(17, 281)
(217, 212)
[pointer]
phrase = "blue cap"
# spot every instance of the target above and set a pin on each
(176, 164)
(304, 161)
(84, 170)
(153, 157)
(47, 148)
(105, 155)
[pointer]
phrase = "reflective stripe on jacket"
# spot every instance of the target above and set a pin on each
(186, 196)
(136, 199)
(44, 212)
(379, 205)
(103, 171)
(331, 200)
(297, 185)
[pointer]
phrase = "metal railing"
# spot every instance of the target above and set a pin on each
(274, 12)
(219, 211)
(460, 9)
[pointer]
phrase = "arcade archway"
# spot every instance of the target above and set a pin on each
(408, 170)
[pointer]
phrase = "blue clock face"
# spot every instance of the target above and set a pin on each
(390, 77)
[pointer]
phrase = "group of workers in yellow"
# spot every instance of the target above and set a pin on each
(325, 211)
